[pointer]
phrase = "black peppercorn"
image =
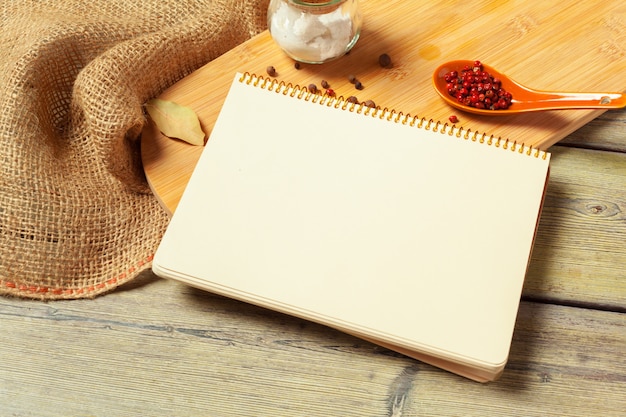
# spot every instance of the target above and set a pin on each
(384, 60)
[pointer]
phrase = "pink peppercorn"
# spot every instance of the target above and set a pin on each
(477, 88)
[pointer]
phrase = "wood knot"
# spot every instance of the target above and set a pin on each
(597, 209)
(602, 209)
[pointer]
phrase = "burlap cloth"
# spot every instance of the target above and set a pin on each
(77, 218)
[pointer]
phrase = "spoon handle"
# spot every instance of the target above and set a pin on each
(560, 100)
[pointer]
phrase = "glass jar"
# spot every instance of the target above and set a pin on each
(314, 31)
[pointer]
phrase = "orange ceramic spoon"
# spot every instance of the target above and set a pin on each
(526, 99)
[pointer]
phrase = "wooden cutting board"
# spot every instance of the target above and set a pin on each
(570, 45)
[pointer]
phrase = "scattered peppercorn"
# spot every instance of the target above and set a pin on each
(453, 119)
(358, 85)
(296, 65)
(325, 84)
(271, 71)
(384, 60)
(312, 88)
(477, 88)
(369, 103)
(352, 78)
(352, 99)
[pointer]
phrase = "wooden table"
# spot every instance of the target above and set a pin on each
(160, 348)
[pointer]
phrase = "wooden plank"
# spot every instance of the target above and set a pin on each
(580, 248)
(158, 347)
(529, 40)
(607, 132)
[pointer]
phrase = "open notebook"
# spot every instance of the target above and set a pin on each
(410, 233)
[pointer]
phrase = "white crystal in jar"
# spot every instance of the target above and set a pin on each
(312, 37)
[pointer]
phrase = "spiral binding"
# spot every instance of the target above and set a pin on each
(303, 93)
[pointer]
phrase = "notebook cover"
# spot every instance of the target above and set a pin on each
(414, 237)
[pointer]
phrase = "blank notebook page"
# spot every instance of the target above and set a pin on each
(375, 227)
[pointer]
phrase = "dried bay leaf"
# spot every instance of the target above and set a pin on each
(176, 121)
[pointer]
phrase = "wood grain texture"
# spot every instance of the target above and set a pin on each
(606, 132)
(570, 46)
(160, 348)
(580, 247)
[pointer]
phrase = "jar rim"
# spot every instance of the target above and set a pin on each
(319, 3)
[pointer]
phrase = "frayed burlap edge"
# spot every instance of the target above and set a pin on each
(76, 215)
